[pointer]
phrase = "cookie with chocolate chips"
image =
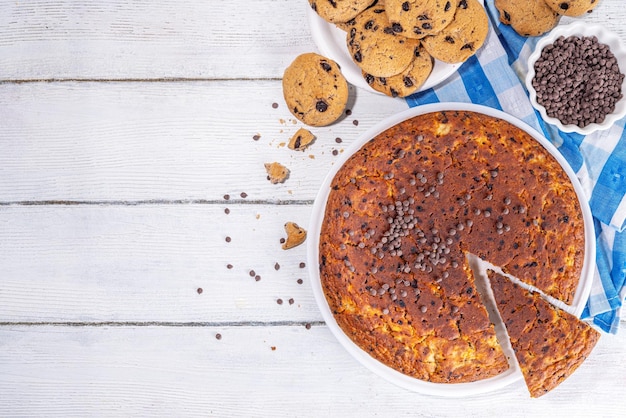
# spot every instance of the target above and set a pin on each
(463, 36)
(527, 18)
(572, 7)
(375, 45)
(314, 89)
(338, 11)
(408, 81)
(420, 18)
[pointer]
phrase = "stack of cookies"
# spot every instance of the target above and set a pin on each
(536, 17)
(394, 42)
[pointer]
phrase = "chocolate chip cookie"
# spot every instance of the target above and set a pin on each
(572, 7)
(527, 18)
(376, 47)
(314, 89)
(337, 11)
(420, 18)
(463, 36)
(408, 81)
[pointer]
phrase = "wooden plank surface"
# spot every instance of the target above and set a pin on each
(165, 141)
(186, 39)
(253, 371)
(145, 263)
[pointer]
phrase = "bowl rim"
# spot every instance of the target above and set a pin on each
(604, 36)
(511, 375)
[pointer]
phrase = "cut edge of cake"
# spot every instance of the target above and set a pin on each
(542, 365)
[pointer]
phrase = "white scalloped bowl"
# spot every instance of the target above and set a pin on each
(580, 29)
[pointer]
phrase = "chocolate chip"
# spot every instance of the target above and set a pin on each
(447, 6)
(396, 27)
(302, 265)
(256, 137)
(325, 66)
(564, 6)
(274, 105)
(321, 106)
(406, 6)
(218, 336)
(199, 290)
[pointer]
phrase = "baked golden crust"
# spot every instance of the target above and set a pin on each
(400, 216)
(549, 343)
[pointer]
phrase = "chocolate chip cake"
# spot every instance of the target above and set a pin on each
(404, 211)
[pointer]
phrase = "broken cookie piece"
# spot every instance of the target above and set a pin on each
(301, 140)
(295, 235)
(276, 172)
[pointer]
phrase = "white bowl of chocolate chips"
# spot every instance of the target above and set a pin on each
(576, 78)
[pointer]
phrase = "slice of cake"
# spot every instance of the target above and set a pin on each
(549, 343)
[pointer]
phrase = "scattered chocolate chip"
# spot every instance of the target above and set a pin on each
(199, 290)
(335, 152)
(218, 336)
(307, 326)
(299, 281)
(243, 195)
(291, 301)
(355, 122)
(256, 137)
(302, 265)
(348, 112)
(226, 197)
(279, 301)
(228, 239)
(229, 266)
(226, 211)
(257, 278)
(274, 105)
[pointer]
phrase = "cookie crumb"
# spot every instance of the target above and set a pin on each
(276, 172)
(295, 235)
(301, 140)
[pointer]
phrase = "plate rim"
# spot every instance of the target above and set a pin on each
(506, 378)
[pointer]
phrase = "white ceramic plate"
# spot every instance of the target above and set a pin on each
(331, 41)
(441, 389)
(580, 28)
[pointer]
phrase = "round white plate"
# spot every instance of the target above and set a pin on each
(440, 389)
(331, 41)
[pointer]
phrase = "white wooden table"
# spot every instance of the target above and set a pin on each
(141, 271)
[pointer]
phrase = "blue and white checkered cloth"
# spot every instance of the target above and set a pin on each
(492, 78)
